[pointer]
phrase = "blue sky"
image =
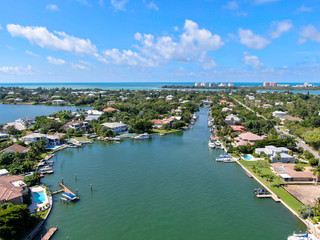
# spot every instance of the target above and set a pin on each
(159, 41)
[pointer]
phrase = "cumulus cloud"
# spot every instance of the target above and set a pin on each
(258, 2)
(232, 5)
(304, 9)
(152, 5)
(55, 61)
(52, 7)
(59, 41)
(311, 33)
(192, 46)
(79, 66)
(252, 61)
(281, 27)
(119, 5)
(32, 54)
(17, 70)
(251, 40)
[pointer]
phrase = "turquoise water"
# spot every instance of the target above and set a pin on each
(247, 157)
(39, 197)
(167, 187)
(9, 113)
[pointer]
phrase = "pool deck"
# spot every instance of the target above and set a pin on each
(34, 205)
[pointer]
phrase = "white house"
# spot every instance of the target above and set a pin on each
(115, 127)
(273, 151)
(93, 115)
(231, 119)
(278, 114)
(58, 101)
(51, 140)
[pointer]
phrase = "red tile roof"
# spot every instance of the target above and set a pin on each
(15, 148)
(110, 109)
(237, 127)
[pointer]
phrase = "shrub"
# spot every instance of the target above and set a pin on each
(299, 168)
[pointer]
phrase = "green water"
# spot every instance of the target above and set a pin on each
(168, 187)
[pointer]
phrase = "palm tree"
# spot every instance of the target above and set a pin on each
(316, 172)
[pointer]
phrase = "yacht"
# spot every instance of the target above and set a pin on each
(142, 136)
(211, 144)
(117, 138)
(218, 144)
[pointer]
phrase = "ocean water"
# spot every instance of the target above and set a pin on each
(167, 187)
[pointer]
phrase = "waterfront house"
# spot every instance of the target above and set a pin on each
(58, 101)
(247, 138)
(169, 97)
(18, 100)
(12, 189)
(111, 102)
(225, 109)
(276, 154)
(27, 121)
(288, 174)
(231, 119)
(77, 125)
(15, 148)
(93, 115)
(116, 127)
(52, 140)
(158, 123)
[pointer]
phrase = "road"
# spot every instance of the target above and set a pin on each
(300, 143)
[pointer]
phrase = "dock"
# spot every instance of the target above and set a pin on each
(49, 234)
(274, 197)
(64, 189)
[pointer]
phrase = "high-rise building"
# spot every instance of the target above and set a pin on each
(230, 84)
(197, 84)
(270, 84)
(204, 84)
(223, 84)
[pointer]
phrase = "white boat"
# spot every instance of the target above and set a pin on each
(226, 158)
(211, 144)
(218, 144)
(304, 236)
(117, 138)
(142, 136)
(161, 134)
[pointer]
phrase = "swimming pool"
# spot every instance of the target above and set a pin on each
(247, 157)
(39, 197)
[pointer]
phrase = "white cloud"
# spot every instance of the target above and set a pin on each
(59, 41)
(311, 33)
(17, 70)
(232, 5)
(258, 2)
(79, 66)
(152, 5)
(251, 40)
(52, 7)
(242, 13)
(119, 4)
(252, 61)
(281, 27)
(32, 54)
(55, 61)
(304, 9)
(193, 45)
(1, 28)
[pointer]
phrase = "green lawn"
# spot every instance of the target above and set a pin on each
(291, 201)
(82, 139)
(157, 131)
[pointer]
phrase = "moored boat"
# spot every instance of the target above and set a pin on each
(304, 236)
(142, 136)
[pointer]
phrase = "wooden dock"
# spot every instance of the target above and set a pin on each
(64, 189)
(49, 234)
(274, 197)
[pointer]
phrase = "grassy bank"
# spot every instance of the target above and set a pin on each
(261, 171)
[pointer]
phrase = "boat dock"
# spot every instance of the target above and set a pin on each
(64, 189)
(49, 234)
(274, 197)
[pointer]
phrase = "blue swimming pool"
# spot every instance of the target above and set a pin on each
(247, 157)
(39, 197)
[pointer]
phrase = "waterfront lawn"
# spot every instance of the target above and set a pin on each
(165, 131)
(291, 201)
(82, 139)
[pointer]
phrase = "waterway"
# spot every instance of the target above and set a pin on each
(9, 113)
(167, 187)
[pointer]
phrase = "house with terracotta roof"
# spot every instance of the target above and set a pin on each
(111, 102)
(158, 123)
(15, 148)
(111, 109)
(12, 189)
(247, 138)
(237, 128)
(288, 174)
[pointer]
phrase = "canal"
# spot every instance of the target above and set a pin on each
(168, 187)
